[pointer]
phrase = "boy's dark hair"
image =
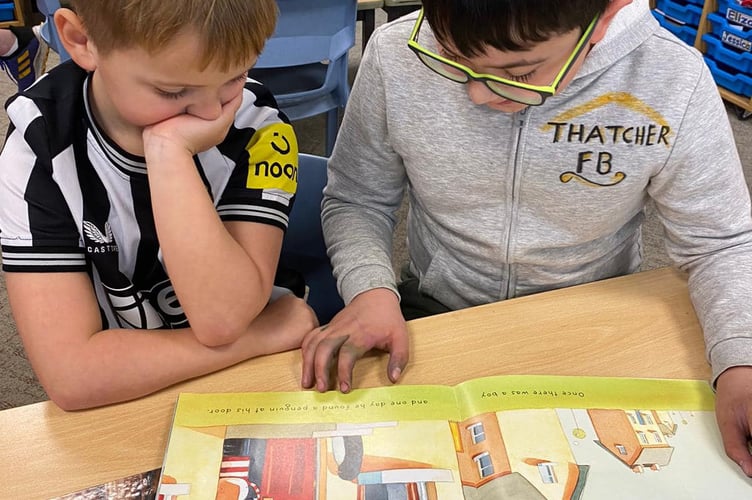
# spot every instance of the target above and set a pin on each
(471, 26)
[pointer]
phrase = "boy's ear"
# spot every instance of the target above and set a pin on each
(75, 38)
(613, 7)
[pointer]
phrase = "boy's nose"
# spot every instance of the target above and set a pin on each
(206, 109)
(479, 93)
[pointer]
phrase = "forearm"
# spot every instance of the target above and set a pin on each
(706, 217)
(366, 183)
(119, 365)
(360, 247)
(220, 287)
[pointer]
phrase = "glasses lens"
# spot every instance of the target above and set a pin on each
(516, 94)
(443, 69)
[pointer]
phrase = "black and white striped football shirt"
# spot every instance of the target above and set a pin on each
(71, 200)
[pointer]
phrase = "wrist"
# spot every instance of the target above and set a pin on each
(159, 149)
(167, 160)
(381, 294)
(162, 142)
(365, 278)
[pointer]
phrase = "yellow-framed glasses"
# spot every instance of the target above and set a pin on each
(532, 95)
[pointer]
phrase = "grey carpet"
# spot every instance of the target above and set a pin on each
(18, 385)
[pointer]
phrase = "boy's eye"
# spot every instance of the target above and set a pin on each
(237, 80)
(522, 78)
(171, 95)
(516, 78)
(177, 94)
(448, 55)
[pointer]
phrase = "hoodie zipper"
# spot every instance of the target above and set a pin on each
(521, 118)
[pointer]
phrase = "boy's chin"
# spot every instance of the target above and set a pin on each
(506, 106)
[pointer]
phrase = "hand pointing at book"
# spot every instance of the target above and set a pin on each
(734, 414)
(371, 321)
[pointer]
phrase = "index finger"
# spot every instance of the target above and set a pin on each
(327, 351)
(349, 354)
(308, 350)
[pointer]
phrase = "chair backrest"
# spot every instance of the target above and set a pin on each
(303, 248)
(47, 7)
(49, 32)
(309, 32)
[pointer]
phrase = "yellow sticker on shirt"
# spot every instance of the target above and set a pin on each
(273, 159)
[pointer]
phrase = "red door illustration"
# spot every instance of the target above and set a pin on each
(289, 469)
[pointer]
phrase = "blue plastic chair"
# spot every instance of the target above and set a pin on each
(304, 63)
(303, 248)
(49, 32)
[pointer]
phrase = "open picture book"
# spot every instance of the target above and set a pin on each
(522, 437)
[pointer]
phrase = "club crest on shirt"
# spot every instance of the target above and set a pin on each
(99, 241)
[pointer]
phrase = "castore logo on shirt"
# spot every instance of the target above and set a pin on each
(99, 241)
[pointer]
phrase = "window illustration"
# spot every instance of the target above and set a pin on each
(477, 433)
(483, 461)
(547, 472)
(642, 437)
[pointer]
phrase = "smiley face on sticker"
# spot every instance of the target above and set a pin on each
(273, 159)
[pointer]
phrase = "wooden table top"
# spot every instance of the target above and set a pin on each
(642, 325)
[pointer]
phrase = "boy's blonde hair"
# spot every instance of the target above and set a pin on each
(232, 31)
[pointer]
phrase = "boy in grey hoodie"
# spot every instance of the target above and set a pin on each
(528, 136)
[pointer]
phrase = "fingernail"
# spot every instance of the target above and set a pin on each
(344, 387)
(396, 374)
(306, 382)
(320, 386)
(746, 466)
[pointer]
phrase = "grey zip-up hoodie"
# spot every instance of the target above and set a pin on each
(503, 205)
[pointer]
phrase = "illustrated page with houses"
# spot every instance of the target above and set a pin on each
(537, 437)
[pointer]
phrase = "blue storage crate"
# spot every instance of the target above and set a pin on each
(686, 34)
(733, 11)
(683, 12)
(7, 12)
(740, 61)
(733, 35)
(735, 82)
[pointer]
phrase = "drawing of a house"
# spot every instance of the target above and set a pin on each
(516, 454)
(635, 437)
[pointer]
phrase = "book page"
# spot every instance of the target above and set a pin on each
(307, 445)
(507, 437)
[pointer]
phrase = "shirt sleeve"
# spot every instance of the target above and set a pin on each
(264, 149)
(703, 202)
(365, 186)
(37, 230)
